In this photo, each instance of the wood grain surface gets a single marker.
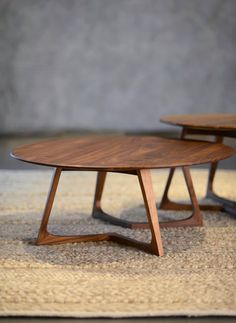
(121, 152)
(218, 121)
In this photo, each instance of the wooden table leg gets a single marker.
(101, 177)
(194, 220)
(227, 205)
(145, 182)
(44, 237)
(212, 171)
(43, 233)
(167, 204)
(154, 247)
(98, 212)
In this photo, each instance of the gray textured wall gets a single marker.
(114, 64)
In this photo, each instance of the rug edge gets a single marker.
(228, 313)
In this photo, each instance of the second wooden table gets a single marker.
(219, 125)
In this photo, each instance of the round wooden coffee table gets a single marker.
(218, 125)
(122, 154)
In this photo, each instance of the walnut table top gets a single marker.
(121, 152)
(213, 122)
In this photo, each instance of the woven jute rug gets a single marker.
(195, 277)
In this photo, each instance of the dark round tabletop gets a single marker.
(121, 152)
(218, 121)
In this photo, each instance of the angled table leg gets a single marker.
(98, 212)
(167, 204)
(145, 181)
(43, 233)
(227, 205)
(154, 247)
(212, 172)
(101, 177)
(194, 220)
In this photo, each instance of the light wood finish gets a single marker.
(155, 246)
(123, 154)
(218, 125)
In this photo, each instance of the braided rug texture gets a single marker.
(195, 277)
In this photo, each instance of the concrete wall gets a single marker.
(114, 64)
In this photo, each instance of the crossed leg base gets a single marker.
(194, 220)
(225, 204)
(155, 246)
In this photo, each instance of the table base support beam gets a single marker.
(194, 220)
(155, 246)
(225, 205)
